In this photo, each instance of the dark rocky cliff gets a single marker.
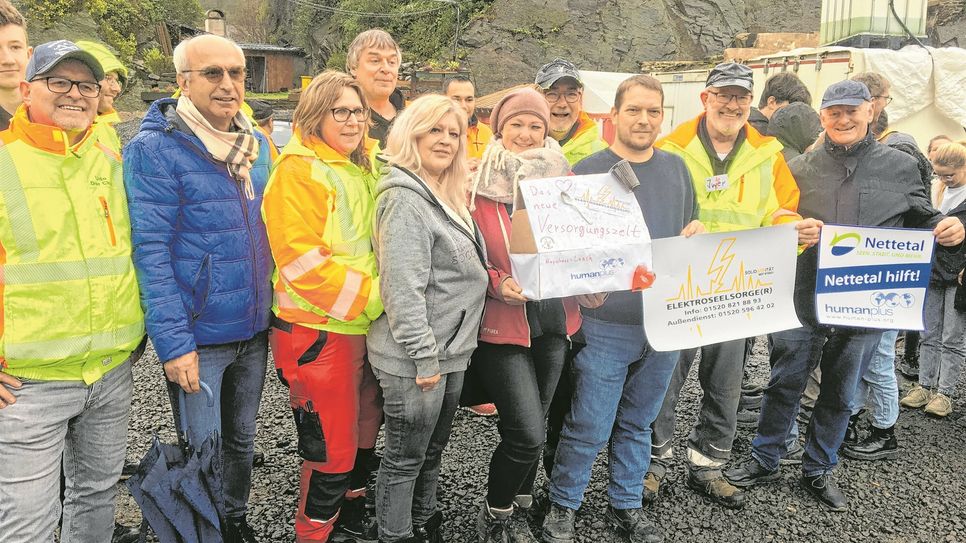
(513, 38)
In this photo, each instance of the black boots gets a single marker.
(881, 444)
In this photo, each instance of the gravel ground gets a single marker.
(918, 498)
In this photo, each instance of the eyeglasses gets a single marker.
(61, 85)
(570, 97)
(214, 74)
(114, 79)
(888, 99)
(341, 114)
(946, 177)
(725, 99)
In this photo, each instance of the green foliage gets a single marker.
(123, 24)
(425, 38)
(157, 62)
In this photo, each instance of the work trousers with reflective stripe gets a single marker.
(338, 409)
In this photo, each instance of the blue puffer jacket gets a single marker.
(200, 249)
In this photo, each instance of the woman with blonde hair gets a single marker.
(318, 209)
(433, 281)
(943, 343)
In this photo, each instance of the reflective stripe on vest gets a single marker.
(50, 272)
(62, 348)
(24, 236)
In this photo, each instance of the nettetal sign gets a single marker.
(873, 277)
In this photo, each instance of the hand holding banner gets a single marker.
(873, 277)
(719, 287)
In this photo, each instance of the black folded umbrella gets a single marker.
(179, 489)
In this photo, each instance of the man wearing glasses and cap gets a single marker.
(70, 322)
(848, 179)
(194, 175)
(741, 181)
(577, 134)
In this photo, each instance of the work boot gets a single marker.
(852, 432)
(910, 369)
(793, 456)
(918, 396)
(518, 530)
(939, 406)
(711, 483)
(237, 530)
(355, 519)
(747, 419)
(558, 526)
(634, 524)
(431, 530)
(751, 389)
(652, 486)
(491, 524)
(825, 490)
(881, 444)
(750, 402)
(751, 473)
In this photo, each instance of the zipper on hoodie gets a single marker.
(741, 189)
(107, 219)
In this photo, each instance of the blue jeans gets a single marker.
(417, 428)
(63, 422)
(844, 354)
(235, 372)
(879, 386)
(619, 386)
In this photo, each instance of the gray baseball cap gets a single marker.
(729, 74)
(846, 93)
(48, 55)
(551, 72)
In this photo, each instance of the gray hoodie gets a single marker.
(432, 280)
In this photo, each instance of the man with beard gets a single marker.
(848, 179)
(570, 125)
(741, 181)
(619, 379)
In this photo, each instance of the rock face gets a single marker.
(512, 39)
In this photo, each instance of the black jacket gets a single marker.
(890, 194)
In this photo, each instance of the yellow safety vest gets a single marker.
(70, 308)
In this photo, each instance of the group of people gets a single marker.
(371, 256)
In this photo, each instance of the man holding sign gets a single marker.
(741, 182)
(849, 179)
(620, 380)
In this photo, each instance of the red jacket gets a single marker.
(503, 323)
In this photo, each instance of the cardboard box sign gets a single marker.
(576, 235)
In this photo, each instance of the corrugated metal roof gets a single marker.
(270, 47)
(487, 102)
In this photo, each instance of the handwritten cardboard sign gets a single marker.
(576, 235)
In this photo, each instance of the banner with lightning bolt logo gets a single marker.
(719, 287)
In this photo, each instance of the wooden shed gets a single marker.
(272, 68)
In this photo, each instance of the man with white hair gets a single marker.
(194, 176)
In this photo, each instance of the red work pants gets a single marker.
(338, 409)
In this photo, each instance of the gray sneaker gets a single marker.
(491, 524)
(558, 526)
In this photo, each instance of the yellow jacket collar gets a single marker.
(45, 137)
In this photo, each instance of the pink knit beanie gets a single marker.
(518, 102)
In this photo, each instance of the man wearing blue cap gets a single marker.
(853, 180)
(70, 320)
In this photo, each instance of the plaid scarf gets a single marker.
(501, 171)
(238, 150)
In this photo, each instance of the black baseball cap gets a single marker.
(846, 93)
(48, 55)
(551, 72)
(728, 74)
